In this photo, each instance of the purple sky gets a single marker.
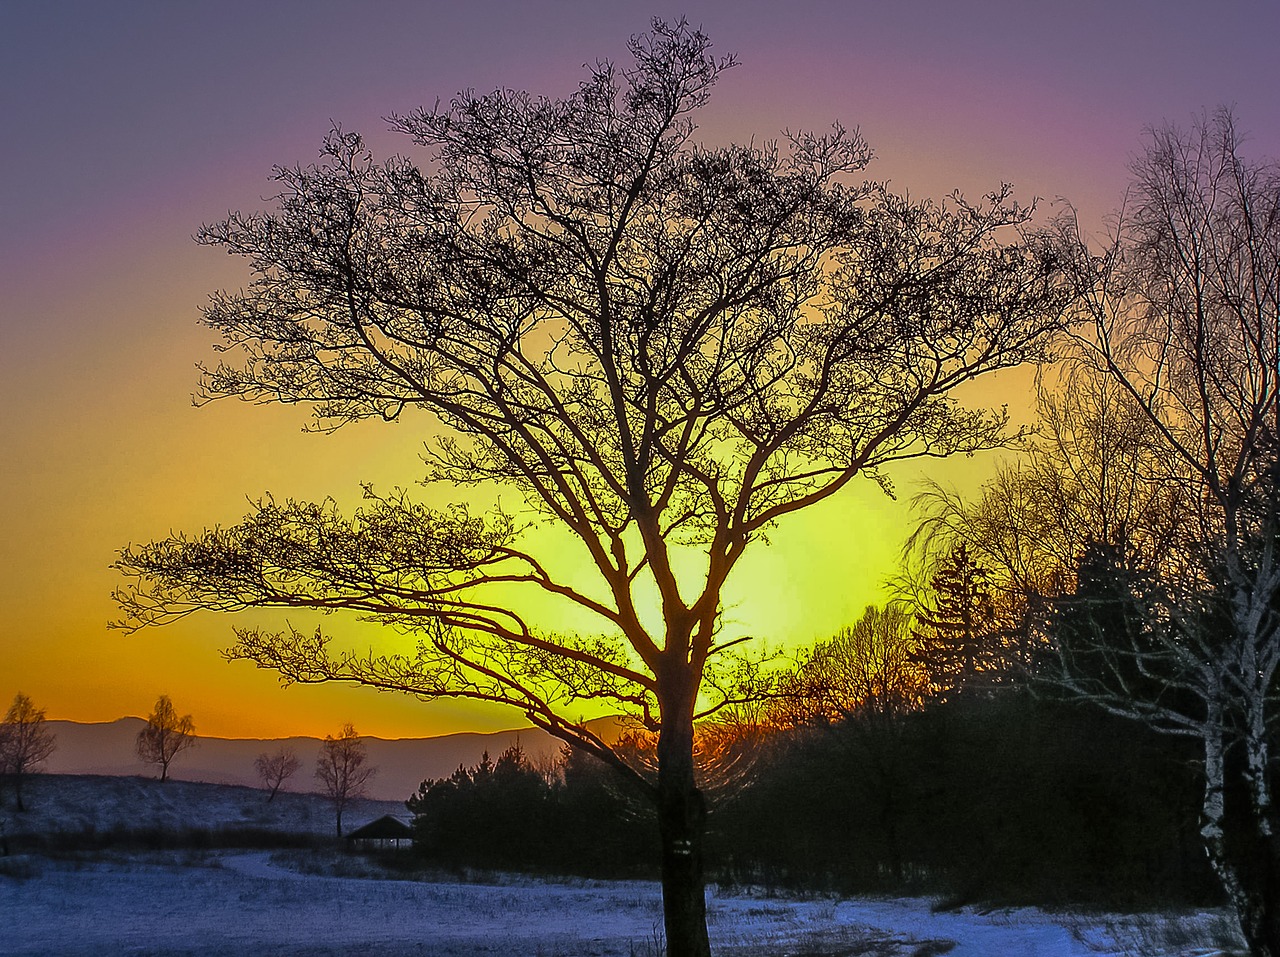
(127, 125)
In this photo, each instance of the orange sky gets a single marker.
(128, 125)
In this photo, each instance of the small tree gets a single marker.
(495, 814)
(165, 736)
(274, 769)
(859, 686)
(25, 743)
(342, 770)
(867, 672)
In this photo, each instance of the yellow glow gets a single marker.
(118, 454)
(103, 447)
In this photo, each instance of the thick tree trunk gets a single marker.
(682, 815)
(1269, 919)
(1213, 825)
(1255, 891)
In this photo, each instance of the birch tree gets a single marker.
(1182, 309)
(342, 770)
(165, 736)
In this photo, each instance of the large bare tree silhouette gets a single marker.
(666, 348)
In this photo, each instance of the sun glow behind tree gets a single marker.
(665, 349)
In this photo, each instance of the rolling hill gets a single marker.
(402, 763)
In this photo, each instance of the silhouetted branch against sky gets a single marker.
(665, 348)
(662, 347)
(181, 112)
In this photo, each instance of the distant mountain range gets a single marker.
(402, 763)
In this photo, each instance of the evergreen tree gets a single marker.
(960, 640)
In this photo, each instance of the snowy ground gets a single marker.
(83, 803)
(247, 902)
(105, 902)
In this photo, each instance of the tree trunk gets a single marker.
(1213, 825)
(1246, 868)
(682, 815)
(1263, 844)
(1269, 919)
(1259, 912)
(1254, 890)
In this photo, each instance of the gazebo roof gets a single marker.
(385, 828)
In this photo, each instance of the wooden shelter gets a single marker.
(386, 831)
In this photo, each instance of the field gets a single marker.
(64, 806)
(210, 900)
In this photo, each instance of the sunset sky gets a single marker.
(127, 125)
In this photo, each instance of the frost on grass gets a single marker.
(235, 903)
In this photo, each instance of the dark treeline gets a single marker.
(1004, 797)
(573, 818)
(1000, 797)
(927, 748)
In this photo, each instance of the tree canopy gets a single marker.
(165, 736)
(25, 742)
(660, 344)
(666, 347)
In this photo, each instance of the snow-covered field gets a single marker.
(80, 803)
(231, 902)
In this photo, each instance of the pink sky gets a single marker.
(127, 125)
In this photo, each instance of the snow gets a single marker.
(102, 903)
(92, 803)
(200, 905)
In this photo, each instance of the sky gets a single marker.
(128, 125)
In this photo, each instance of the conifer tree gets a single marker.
(959, 636)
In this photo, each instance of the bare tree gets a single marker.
(1183, 307)
(1093, 477)
(870, 671)
(341, 768)
(665, 348)
(25, 743)
(274, 769)
(165, 736)
(858, 687)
